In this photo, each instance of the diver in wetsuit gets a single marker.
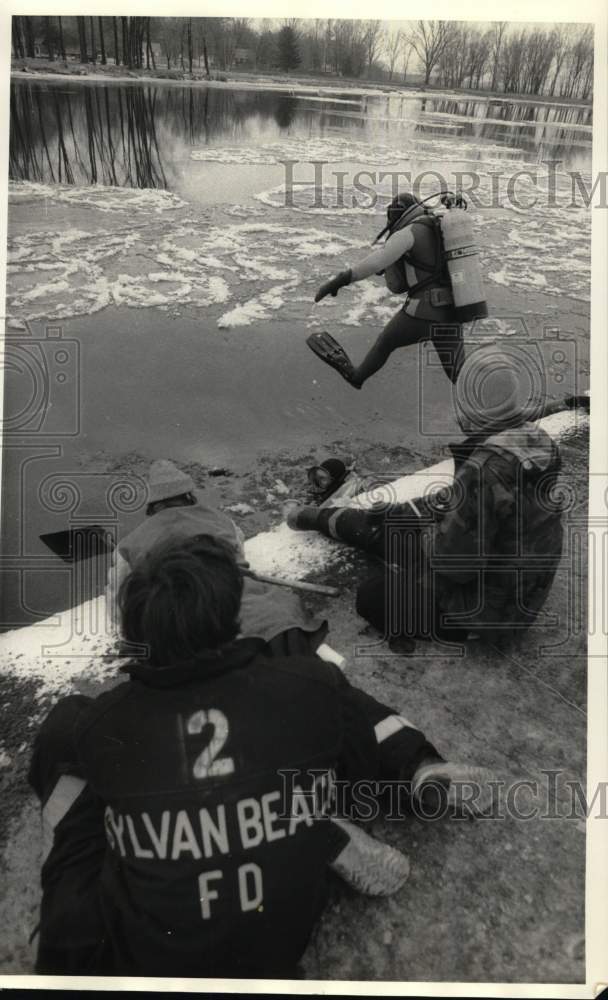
(411, 260)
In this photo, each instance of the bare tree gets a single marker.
(452, 61)
(149, 49)
(102, 44)
(115, 33)
(511, 63)
(406, 51)
(17, 37)
(428, 40)
(124, 24)
(82, 39)
(538, 56)
(579, 64)
(477, 57)
(61, 41)
(373, 36)
(498, 30)
(394, 46)
(93, 45)
(28, 30)
(327, 42)
(48, 38)
(561, 35)
(200, 33)
(189, 33)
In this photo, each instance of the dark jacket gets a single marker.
(496, 551)
(216, 864)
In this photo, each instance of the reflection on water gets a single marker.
(136, 135)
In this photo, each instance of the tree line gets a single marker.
(126, 41)
(555, 61)
(508, 58)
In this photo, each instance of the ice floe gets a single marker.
(184, 264)
(147, 248)
(335, 149)
(98, 196)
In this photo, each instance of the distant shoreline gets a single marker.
(93, 73)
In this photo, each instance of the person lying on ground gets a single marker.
(176, 509)
(193, 808)
(485, 561)
(411, 260)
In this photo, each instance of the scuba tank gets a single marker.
(461, 259)
(457, 253)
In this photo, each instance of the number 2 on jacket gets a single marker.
(209, 764)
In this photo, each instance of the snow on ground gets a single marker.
(54, 652)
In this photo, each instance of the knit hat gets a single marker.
(498, 388)
(165, 480)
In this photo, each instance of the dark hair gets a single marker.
(181, 500)
(182, 598)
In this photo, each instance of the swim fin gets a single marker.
(329, 350)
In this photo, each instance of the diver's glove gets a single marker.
(333, 286)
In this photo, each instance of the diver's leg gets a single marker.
(361, 528)
(401, 331)
(448, 341)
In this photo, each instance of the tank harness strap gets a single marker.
(437, 269)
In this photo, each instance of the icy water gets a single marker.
(143, 136)
(240, 200)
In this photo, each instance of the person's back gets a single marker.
(213, 870)
(185, 521)
(496, 552)
(422, 265)
(205, 787)
(178, 510)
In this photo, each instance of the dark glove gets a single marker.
(333, 286)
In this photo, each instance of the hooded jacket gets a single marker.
(496, 551)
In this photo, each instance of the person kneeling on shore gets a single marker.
(177, 509)
(484, 561)
(190, 807)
